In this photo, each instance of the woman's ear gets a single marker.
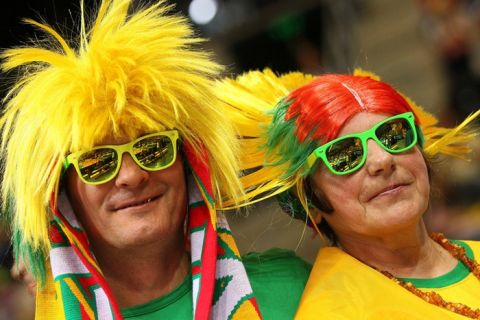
(316, 215)
(317, 198)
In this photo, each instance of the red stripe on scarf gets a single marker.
(208, 267)
(199, 163)
(200, 216)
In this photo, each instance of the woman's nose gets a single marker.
(130, 174)
(378, 160)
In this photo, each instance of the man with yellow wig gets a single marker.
(115, 157)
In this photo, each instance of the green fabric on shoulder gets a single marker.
(278, 277)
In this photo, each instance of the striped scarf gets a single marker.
(76, 289)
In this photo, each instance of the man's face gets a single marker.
(136, 208)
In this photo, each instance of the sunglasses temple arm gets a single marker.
(421, 137)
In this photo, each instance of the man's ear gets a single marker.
(20, 272)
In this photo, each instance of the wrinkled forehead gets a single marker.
(361, 122)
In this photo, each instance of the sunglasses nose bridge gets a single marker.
(121, 150)
(374, 145)
(365, 140)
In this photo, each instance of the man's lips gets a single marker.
(135, 203)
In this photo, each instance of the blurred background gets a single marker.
(427, 49)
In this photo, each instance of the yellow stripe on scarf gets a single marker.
(49, 305)
(73, 287)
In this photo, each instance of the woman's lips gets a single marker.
(390, 190)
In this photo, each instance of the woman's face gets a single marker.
(389, 193)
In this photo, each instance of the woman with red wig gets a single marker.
(352, 156)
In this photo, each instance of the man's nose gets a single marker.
(130, 174)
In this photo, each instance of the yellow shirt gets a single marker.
(341, 287)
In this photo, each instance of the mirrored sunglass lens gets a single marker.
(98, 165)
(345, 154)
(396, 135)
(154, 152)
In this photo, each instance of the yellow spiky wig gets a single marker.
(129, 72)
(274, 153)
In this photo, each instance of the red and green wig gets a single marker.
(314, 114)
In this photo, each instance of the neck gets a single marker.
(139, 275)
(408, 253)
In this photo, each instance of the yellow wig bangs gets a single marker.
(129, 74)
(248, 99)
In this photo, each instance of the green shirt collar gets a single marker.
(458, 273)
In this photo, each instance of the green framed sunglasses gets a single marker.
(153, 152)
(347, 154)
